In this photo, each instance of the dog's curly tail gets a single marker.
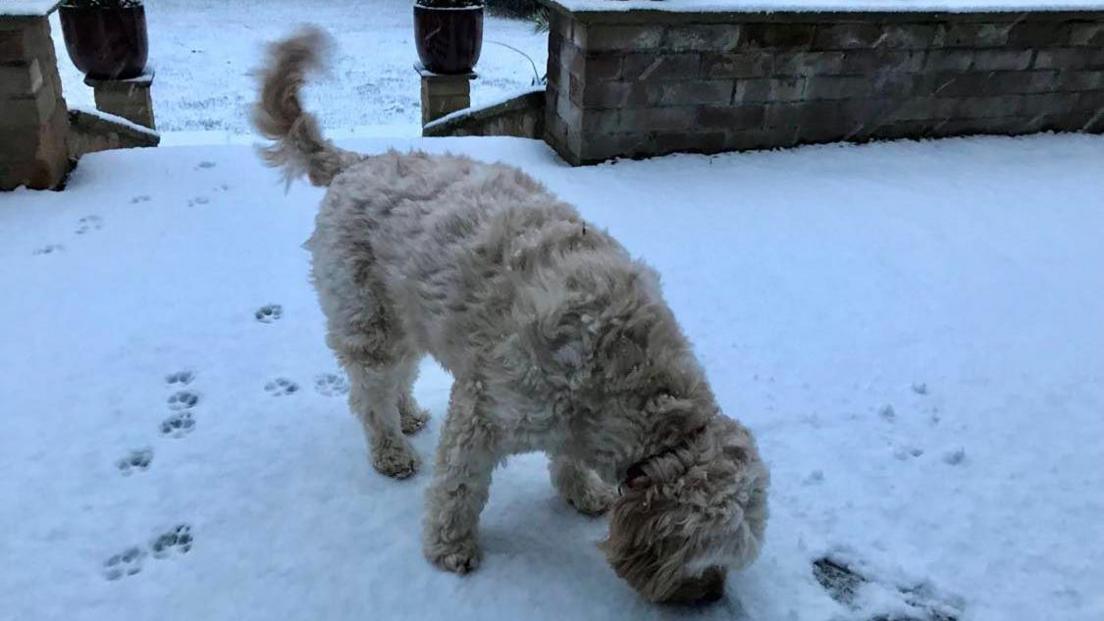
(278, 115)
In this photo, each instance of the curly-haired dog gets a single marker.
(557, 339)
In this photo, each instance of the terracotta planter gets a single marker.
(106, 44)
(449, 39)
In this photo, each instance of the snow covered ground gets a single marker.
(203, 50)
(914, 332)
(954, 6)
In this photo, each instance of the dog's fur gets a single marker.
(557, 339)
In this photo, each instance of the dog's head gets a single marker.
(687, 517)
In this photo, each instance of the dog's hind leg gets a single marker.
(377, 358)
(411, 416)
(373, 397)
(365, 333)
(580, 486)
(466, 455)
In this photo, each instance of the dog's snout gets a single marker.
(704, 589)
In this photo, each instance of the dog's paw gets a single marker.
(594, 500)
(413, 422)
(398, 461)
(460, 558)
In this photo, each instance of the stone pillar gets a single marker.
(33, 117)
(443, 94)
(129, 99)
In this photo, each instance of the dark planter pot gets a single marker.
(106, 44)
(449, 40)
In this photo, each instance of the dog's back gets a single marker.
(452, 242)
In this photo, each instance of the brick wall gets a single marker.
(642, 83)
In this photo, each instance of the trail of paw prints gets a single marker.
(48, 249)
(89, 223)
(126, 563)
(177, 540)
(136, 461)
(269, 313)
(181, 402)
(331, 385)
(281, 387)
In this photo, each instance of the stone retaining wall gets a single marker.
(91, 131)
(641, 83)
(521, 116)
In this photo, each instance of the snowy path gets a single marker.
(914, 331)
(203, 51)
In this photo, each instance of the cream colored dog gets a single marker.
(557, 339)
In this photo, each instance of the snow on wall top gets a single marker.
(497, 101)
(112, 118)
(27, 8)
(770, 6)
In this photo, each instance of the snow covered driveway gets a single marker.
(914, 332)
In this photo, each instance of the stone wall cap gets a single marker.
(27, 8)
(426, 73)
(145, 79)
(611, 7)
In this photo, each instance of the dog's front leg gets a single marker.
(466, 456)
(580, 486)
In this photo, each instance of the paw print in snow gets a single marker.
(205, 164)
(178, 425)
(904, 453)
(183, 400)
(840, 581)
(331, 385)
(126, 563)
(48, 249)
(955, 457)
(280, 387)
(182, 378)
(816, 477)
(179, 540)
(141, 198)
(269, 313)
(199, 200)
(89, 223)
(844, 583)
(137, 461)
